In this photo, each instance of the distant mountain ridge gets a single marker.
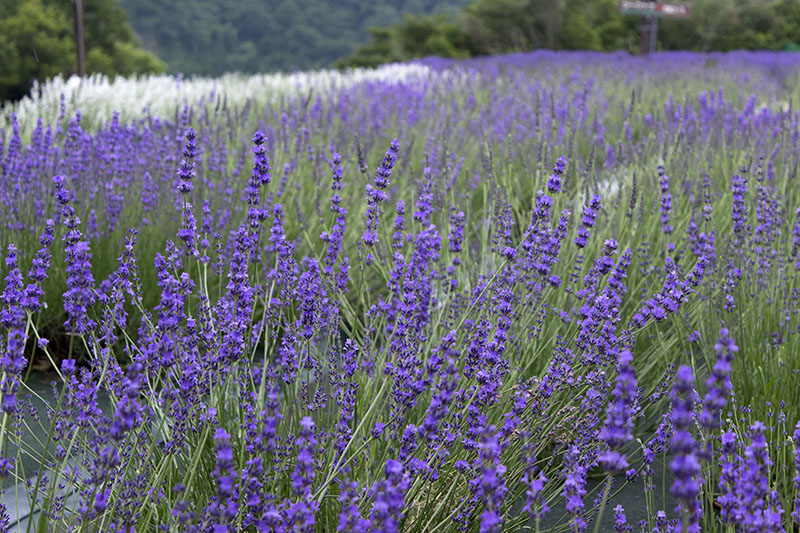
(212, 37)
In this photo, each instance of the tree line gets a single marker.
(487, 27)
(209, 37)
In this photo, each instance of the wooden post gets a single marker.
(649, 11)
(648, 31)
(80, 42)
(644, 35)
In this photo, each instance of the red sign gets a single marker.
(655, 9)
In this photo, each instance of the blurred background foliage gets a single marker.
(209, 37)
(487, 27)
(37, 41)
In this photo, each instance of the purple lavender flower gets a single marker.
(260, 175)
(796, 239)
(739, 209)
(422, 214)
(575, 488)
(336, 234)
(267, 439)
(620, 522)
(455, 240)
(439, 407)
(666, 201)
(254, 490)
(662, 523)
(346, 393)
(542, 207)
(718, 383)
(618, 427)
(752, 484)
(188, 231)
(534, 482)
(796, 480)
(555, 180)
(186, 172)
(588, 219)
(311, 301)
(350, 518)
(13, 320)
(729, 459)
(398, 239)
(303, 512)
(685, 465)
(489, 486)
(377, 194)
(39, 266)
(79, 295)
(225, 476)
(389, 495)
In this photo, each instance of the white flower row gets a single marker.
(97, 96)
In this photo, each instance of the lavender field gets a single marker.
(484, 295)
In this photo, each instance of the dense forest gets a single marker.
(211, 37)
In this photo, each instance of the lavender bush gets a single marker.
(483, 295)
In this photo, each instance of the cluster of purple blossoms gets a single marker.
(739, 210)
(490, 486)
(666, 201)
(534, 481)
(728, 477)
(621, 524)
(796, 240)
(222, 509)
(13, 320)
(186, 171)
(334, 237)
(455, 242)
(40, 264)
(259, 177)
(350, 518)
(301, 514)
(588, 219)
(759, 508)
(555, 180)
(618, 428)
(422, 214)
(718, 383)
(746, 499)
(685, 465)
(389, 498)
(796, 479)
(377, 194)
(79, 296)
(575, 488)
(398, 239)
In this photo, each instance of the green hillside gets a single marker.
(212, 37)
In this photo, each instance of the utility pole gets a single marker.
(80, 42)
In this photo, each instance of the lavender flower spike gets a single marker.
(186, 169)
(618, 427)
(685, 465)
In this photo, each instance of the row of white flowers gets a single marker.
(98, 96)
